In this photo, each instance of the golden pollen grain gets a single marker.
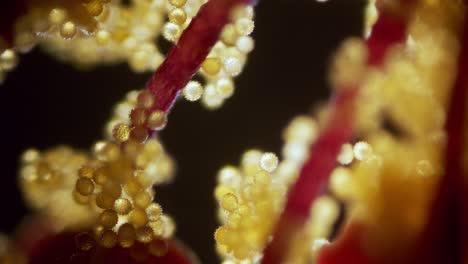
(68, 30)
(229, 202)
(138, 217)
(126, 235)
(229, 35)
(122, 206)
(108, 218)
(84, 186)
(57, 16)
(193, 91)
(225, 87)
(221, 235)
(100, 177)
(121, 132)
(132, 187)
(142, 200)
(154, 212)
(157, 120)
(178, 3)
(158, 227)
(104, 201)
(269, 162)
(211, 66)
(178, 16)
(103, 37)
(232, 65)
(244, 26)
(144, 234)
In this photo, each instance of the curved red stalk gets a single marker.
(339, 130)
(185, 58)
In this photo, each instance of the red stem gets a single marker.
(185, 58)
(339, 130)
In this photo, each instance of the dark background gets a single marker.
(45, 103)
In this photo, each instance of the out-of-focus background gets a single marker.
(45, 103)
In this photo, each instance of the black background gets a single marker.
(44, 103)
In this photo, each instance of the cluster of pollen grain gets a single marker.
(125, 33)
(251, 197)
(227, 58)
(133, 119)
(46, 180)
(117, 181)
(112, 32)
(388, 178)
(58, 19)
